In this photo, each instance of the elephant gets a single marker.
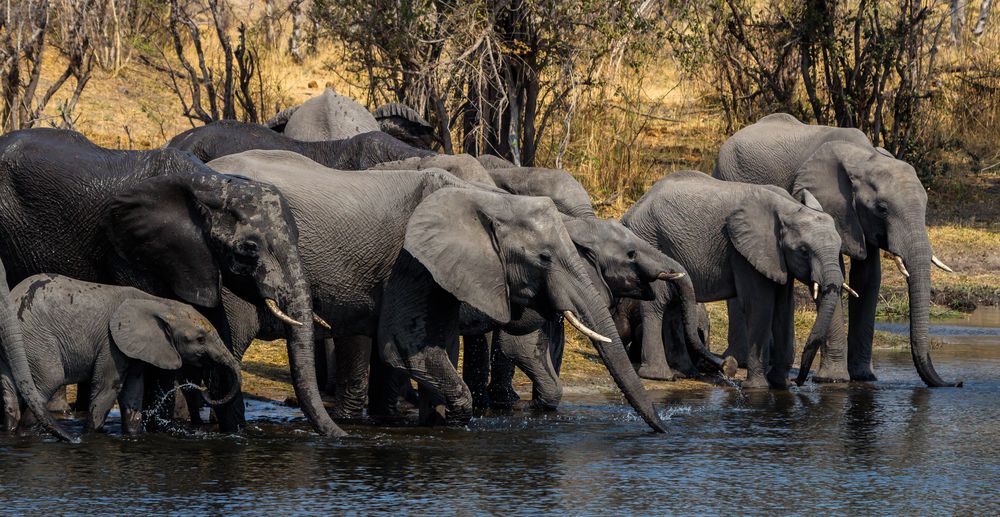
(405, 124)
(392, 255)
(328, 116)
(164, 223)
(77, 331)
(747, 242)
(358, 152)
(494, 162)
(463, 166)
(877, 203)
(609, 250)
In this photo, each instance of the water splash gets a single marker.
(733, 383)
(168, 396)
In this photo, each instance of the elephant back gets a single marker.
(329, 117)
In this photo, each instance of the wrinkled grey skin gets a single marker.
(77, 331)
(405, 124)
(328, 116)
(748, 242)
(356, 153)
(626, 266)
(162, 222)
(877, 203)
(394, 254)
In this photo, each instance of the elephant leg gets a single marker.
(654, 357)
(11, 404)
(385, 385)
(756, 295)
(232, 415)
(553, 337)
(101, 402)
(353, 356)
(783, 337)
(326, 364)
(674, 342)
(130, 401)
(866, 277)
(476, 368)
(531, 354)
(193, 402)
(737, 334)
(501, 389)
(439, 381)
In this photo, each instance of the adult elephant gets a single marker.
(746, 242)
(358, 152)
(394, 254)
(877, 203)
(164, 223)
(328, 116)
(609, 248)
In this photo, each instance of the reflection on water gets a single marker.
(982, 326)
(889, 448)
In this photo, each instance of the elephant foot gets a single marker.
(656, 373)
(830, 376)
(866, 375)
(756, 382)
(502, 396)
(778, 382)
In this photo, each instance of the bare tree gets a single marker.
(984, 14)
(210, 93)
(24, 31)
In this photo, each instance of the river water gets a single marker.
(890, 448)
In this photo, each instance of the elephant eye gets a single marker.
(545, 258)
(631, 254)
(248, 248)
(883, 209)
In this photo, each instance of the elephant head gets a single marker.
(499, 254)
(621, 265)
(168, 334)
(877, 202)
(568, 194)
(785, 240)
(189, 232)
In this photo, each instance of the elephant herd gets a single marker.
(344, 233)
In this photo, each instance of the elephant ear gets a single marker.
(755, 231)
(159, 226)
(452, 234)
(830, 175)
(140, 330)
(806, 198)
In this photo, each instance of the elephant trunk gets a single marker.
(229, 363)
(825, 309)
(12, 341)
(592, 313)
(301, 358)
(918, 262)
(689, 314)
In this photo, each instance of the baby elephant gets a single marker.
(77, 331)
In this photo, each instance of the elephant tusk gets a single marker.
(815, 290)
(583, 328)
(669, 276)
(937, 262)
(273, 305)
(899, 265)
(852, 291)
(321, 322)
